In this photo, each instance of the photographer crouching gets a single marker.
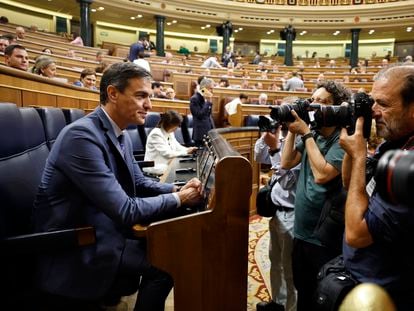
(379, 230)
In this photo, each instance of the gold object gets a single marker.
(367, 297)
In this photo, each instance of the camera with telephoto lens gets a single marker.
(267, 125)
(395, 175)
(326, 116)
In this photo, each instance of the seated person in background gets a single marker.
(293, 83)
(258, 86)
(20, 32)
(103, 186)
(47, 51)
(262, 100)
(16, 56)
(4, 42)
(45, 66)
(77, 39)
(99, 56)
(168, 58)
(12, 38)
(101, 67)
(211, 62)
(224, 82)
(183, 50)
(157, 90)
(231, 107)
(87, 79)
(170, 93)
(161, 144)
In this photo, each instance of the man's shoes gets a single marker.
(269, 306)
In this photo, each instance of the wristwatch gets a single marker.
(306, 136)
(273, 152)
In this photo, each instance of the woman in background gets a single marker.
(87, 79)
(162, 145)
(45, 66)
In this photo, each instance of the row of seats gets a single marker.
(26, 136)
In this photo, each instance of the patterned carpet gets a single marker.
(259, 265)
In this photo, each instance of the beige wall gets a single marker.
(27, 18)
(114, 35)
(335, 49)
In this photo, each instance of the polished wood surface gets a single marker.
(206, 252)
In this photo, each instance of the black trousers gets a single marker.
(307, 259)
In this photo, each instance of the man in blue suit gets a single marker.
(91, 178)
(200, 107)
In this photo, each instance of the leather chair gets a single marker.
(251, 120)
(72, 114)
(151, 121)
(23, 154)
(135, 133)
(53, 121)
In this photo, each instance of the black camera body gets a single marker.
(394, 176)
(326, 116)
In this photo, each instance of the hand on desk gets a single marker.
(190, 193)
(191, 150)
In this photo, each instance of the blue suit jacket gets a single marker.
(87, 181)
(201, 111)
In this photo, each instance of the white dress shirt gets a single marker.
(160, 148)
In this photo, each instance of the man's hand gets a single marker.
(272, 139)
(191, 150)
(298, 126)
(190, 193)
(354, 145)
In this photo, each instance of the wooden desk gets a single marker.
(206, 252)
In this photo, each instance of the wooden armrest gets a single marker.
(49, 241)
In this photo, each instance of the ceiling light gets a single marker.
(202, 27)
(93, 10)
(174, 21)
(132, 17)
(236, 30)
(271, 31)
(139, 15)
(304, 32)
(409, 29)
(240, 28)
(168, 23)
(101, 8)
(208, 26)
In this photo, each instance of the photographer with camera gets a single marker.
(321, 158)
(379, 231)
(268, 150)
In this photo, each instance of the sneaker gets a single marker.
(269, 306)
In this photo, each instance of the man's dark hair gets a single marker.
(118, 75)
(338, 91)
(9, 36)
(405, 74)
(200, 78)
(9, 49)
(155, 84)
(242, 95)
(3, 37)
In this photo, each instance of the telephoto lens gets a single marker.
(283, 113)
(395, 176)
(267, 125)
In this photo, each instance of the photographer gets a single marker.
(267, 150)
(321, 158)
(378, 234)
